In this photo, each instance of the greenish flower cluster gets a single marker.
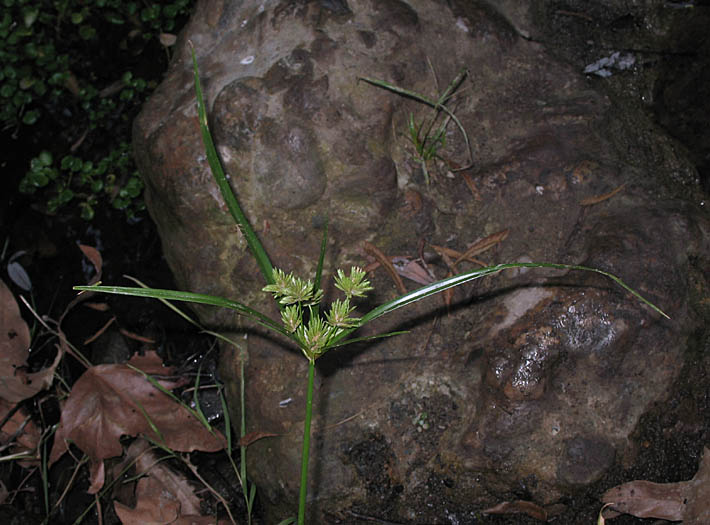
(300, 316)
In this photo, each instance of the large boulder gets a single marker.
(531, 382)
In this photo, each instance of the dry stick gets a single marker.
(483, 245)
(100, 331)
(70, 483)
(210, 488)
(443, 250)
(471, 186)
(59, 334)
(99, 512)
(15, 492)
(601, 198)
(387, 264)
(449, 294)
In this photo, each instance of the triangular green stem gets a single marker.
(306, 444)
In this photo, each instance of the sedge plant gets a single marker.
(315, 330)
(426, 140)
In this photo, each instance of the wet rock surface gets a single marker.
(529, 385)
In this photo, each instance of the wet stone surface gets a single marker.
(529, 385)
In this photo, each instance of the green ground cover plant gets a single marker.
(74, 66)
(428, 137)
(312, 327)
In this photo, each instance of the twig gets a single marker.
(100, 331)
(210, 488)
(601, 198)
(70, 483)
(441, 250)
(386, 263)
(60, 335)
(483, 245)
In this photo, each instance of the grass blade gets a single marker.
(190, 297)
(257, 250)
(435, 104)
(401, 91)
(319, 268)
(456, 280)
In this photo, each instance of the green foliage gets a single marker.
(71, 65)
(113, 179)
(428, 142)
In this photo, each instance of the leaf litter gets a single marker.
(16, 382)
(114, 400)
(686, 501)
(162, 495)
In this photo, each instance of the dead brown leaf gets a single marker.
(411, 269)
(686, 501)
(251, 437)
(16, 384)
(162, 497)
(519, 507)
(167, 39)
(99, 307)
(109, 401)
(154, 505)
(94, 256)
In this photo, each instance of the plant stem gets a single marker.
(306, 444)
(242, 433)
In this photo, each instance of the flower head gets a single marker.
(354, 285)
(339, 314)
(289, 289)
(291, 317)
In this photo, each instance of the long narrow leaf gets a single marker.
(321, 257)
(401, 91)
(451, 282)
(367, 338)
(319, 268)
(436, 104)
(190, 297)
(453, 86)
(257, 250)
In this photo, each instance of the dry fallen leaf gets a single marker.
(167, 39)
(519, 507)
(94, 256)
(110, 401)
(686, 501)
(154, 505)
(251, 437)
(163, 496)
(16, 384)
(412, 270)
